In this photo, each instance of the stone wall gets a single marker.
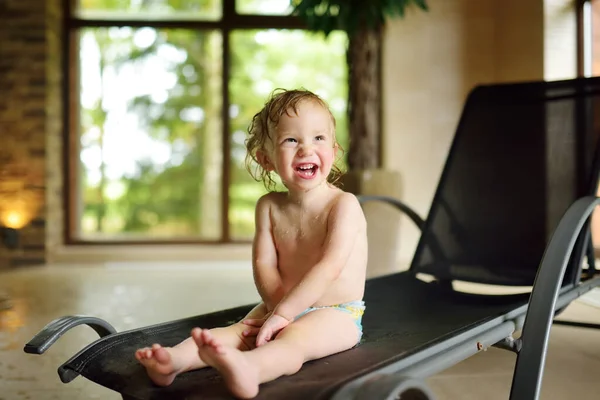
(29, 114)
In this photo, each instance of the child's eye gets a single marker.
(320, 137)
(289, 140)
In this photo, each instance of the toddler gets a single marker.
(309, 258)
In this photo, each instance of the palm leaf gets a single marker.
(350, 15)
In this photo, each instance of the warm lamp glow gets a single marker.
(14, 219)
(18, 207)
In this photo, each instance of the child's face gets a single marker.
(302, 149)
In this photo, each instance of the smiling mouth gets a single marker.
(307, 170)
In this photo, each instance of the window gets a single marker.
(590, 59)
(161, 94)
(591, 37)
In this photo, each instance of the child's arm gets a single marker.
(345, 222)
(264, 257)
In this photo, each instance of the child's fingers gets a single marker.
(251, 331)
(262, 338)
(254, 322)
(259, 339)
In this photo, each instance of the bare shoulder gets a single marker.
(346, 199)
(346, 205)
(264, 205)
(270, 199)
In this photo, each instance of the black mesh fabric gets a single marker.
(404, 316)
(522, 154)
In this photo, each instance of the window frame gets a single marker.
(230, 20)
(581, 39)
(581, 72)
(580, 43)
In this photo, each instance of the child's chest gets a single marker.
(299, 233)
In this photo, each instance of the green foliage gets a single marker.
(152, 7)
(153, 200)
(261, 62)
(176, 197)
(350, 15)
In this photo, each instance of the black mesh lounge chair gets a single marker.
(512, 208)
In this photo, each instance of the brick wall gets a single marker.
(29, 122)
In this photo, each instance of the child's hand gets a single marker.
(270, 328)
(254, 325)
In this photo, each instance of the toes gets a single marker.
(219, 349)
(212, 341)
(162, 355)
(197, 335)
(141, 351)
(207, 337)
(203, 337)
(144, 353)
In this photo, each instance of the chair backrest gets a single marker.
(522, 154)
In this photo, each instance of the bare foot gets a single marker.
(159, 364)
(240, 376)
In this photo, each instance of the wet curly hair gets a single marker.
(264, 124)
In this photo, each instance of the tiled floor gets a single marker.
(132, 295)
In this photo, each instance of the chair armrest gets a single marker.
(419, 222)
(55, 329)
(529, 368)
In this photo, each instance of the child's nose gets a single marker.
(306, 149)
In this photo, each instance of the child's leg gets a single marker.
(315, 335)
(163, 364)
